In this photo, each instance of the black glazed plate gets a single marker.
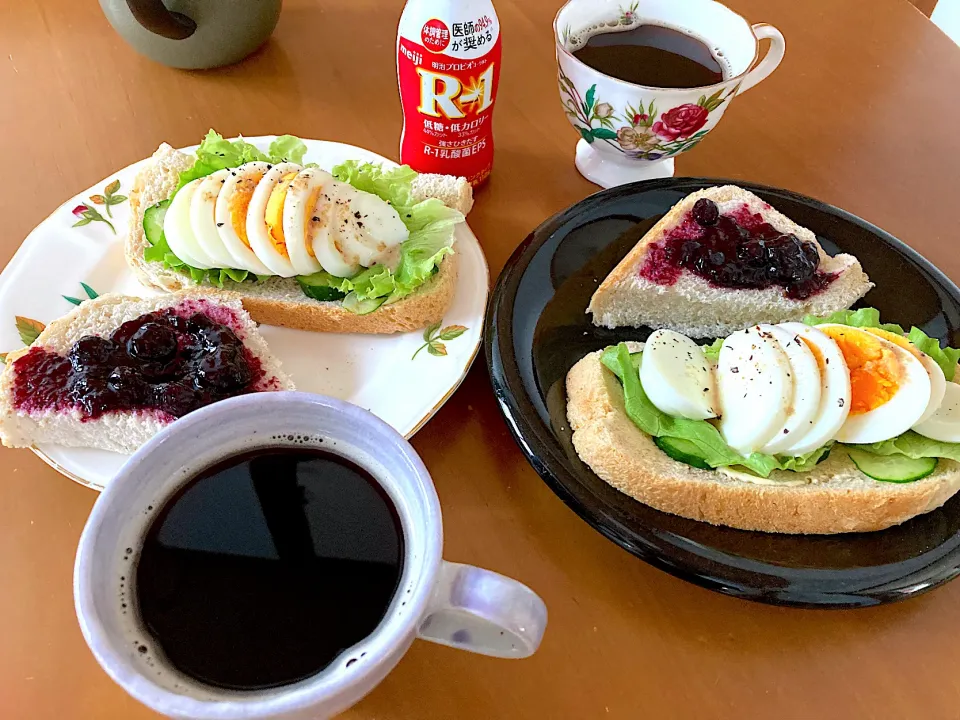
(537, 329)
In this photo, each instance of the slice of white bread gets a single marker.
(835, 497)
(121, 432)
(279, 301)
(695, 308)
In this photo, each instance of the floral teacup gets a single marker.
(632, 132)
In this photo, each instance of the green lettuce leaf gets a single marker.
(864, 317)
(913, 445)
(215, 276)
(216, 153)
(287, 148)
(421, 254)
(374, 282)
(711, 445)
(712, 351)
(395, 185)
(946, 358)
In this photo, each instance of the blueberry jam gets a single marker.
(172, 361)
(738, 250)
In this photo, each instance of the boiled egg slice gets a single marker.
(368, 228)
(203, 219)
(677, 377)
(179, 232)
(323, 237)
(834, 403)
(889, 387)
(231, 215)
(938, 386)
(265, 219)
(944, 424)
(754, 387)
(806, 388)
(938, 382)
(306, 205)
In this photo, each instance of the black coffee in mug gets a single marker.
(650, 55)
(260, 571)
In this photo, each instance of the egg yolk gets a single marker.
(239, 202)
(274, 213)
(875, 371)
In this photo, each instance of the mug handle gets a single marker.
(483, 612)
(770, 61)
(154, 16)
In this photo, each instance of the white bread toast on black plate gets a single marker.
(832, 497)
(279, 300)
(65, 420)
(695, 307)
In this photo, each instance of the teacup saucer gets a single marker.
(609, 170)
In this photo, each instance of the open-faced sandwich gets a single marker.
(835, 424)
(116, 370)
(722, 260)
(362, 249)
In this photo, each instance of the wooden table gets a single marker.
(862, 114)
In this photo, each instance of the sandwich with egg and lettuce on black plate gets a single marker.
(362, 248)
(830, 425)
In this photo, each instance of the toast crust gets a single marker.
(426, 306)
(288, 307)
(838, 498)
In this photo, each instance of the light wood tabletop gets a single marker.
(862, 114)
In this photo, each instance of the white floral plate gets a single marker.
(60, 264)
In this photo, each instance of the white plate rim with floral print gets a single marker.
(73, 254)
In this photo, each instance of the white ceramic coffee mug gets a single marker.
(632, 132)
(457, 605)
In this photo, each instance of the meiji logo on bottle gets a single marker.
(435, 35)
(411, 55)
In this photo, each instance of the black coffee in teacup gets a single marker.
(651, 55)
(264, 568)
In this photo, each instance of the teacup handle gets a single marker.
(770, 61)
(483, 612)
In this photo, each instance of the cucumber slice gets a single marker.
(317, 286)
(682, 451)
(891, 468)
(153, 222)
(323, 293)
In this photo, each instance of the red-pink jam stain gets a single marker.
(657, 267)
(41, 380)
(220, 314)
(165, 364)
(738, 249)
